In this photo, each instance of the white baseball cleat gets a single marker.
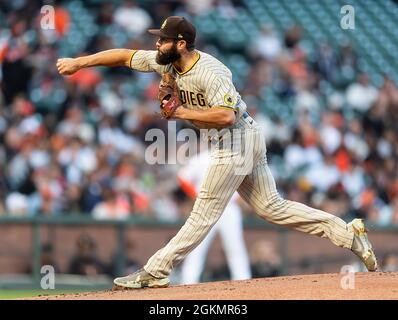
(141, 279)
(361, 245)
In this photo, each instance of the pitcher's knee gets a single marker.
(274, 203)
(198, 220)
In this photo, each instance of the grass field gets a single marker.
(18, 294)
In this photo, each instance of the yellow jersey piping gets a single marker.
(131, 58)
(181, 73)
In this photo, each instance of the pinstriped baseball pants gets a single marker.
(247, 172)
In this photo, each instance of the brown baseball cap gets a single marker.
(176, 27)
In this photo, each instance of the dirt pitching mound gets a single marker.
(372, 286)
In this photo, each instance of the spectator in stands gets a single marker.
(132, 18)
(77, 158)
(298, 157)
(16, 69)
(347, 61)
(85, 260)
(73, 125)
(17, 204)
(354, 141)
(361, 95)
(264, 258)
(73, 202)
(353, 179)
(388, 94)
(330, 135)
(326, 62)
(199, 7)
(388, 213)
(113, 206)
(323, 175)
(130, 264)
(390, 263)
(294, 59)
(267, 45)
(105, 14)
(46, 258)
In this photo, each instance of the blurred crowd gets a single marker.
(76, 145)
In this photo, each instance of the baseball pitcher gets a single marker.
(197, 87)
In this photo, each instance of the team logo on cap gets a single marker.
(180, 36)
(163, 24)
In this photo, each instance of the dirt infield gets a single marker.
(372, 286)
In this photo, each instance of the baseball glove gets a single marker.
(168, 90)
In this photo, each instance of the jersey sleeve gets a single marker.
(222, 93)
(145, 61)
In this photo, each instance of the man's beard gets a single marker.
(168, 56)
